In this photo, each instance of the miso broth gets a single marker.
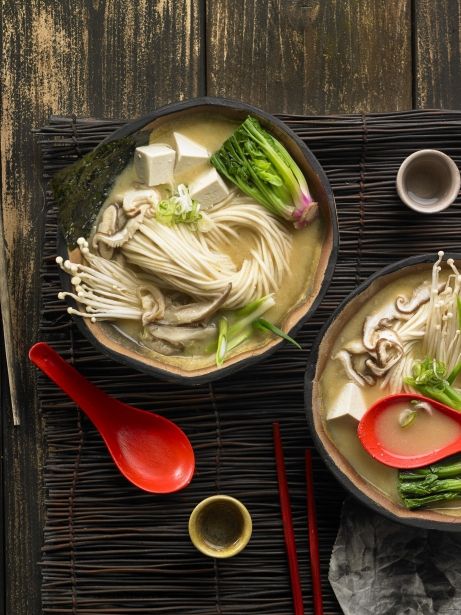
(410, 431)
(343, 430)
(306, 245)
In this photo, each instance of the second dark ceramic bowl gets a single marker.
(119, 349)
(321, 352)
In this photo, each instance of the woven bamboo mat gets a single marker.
(111, 549)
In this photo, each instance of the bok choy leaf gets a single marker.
(261, 167)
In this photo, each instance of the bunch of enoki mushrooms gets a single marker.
(174, 278)
(427, 324)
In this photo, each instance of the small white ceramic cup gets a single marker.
(428, 181)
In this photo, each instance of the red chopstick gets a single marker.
(287, 521)
(313, 538)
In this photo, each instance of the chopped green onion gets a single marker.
(248, 314)
(265, 325)
(430, 378)
(249, 308)
(240, 338)
(454, 373)
(407, 417)
(241, 329)
(222, 341)
(179, 208)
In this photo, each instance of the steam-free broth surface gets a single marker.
(407, 430)
(343, 431)
(211, 131)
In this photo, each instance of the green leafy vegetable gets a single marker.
(262, 168)
(442, 482)
(430, 378)
(264, 325)
(179, 208)
(435, 483)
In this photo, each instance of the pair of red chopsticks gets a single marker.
(287, 521)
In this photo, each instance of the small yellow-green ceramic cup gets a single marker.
(220, 526)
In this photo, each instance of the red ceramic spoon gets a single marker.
(370, 441)
(148, 449)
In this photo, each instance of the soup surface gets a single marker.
(210, 131)
(343, 430)
(410, 430)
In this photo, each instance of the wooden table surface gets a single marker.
(123, 58)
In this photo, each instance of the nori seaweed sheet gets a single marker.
(81, 188)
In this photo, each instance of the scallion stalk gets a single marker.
(248, 314)
(221, 350)
(264, 325)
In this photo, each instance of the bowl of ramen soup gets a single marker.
(195, 240)
(383, 389)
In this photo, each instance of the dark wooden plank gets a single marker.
(315, 56)
(111, 58)
(437, 41)
(5, 409)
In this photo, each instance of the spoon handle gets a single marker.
(88, 397)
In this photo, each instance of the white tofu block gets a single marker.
(208, 189)
(189, 154)
(154, 164)
(350, 401)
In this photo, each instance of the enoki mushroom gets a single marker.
(108, 290)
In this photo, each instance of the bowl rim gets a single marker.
(215, 374)
(412, 519)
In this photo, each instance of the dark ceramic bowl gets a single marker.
(319, 357)
(103, 337)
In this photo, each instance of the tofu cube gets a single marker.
(350, 401)
(190, 155)
(208, 189)
(154, 164)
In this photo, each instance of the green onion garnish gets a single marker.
(222, 341)
(264, 325)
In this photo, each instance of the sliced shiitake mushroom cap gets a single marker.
(181, 335)
(421, 294)
(177, 314)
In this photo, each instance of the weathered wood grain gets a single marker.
(315, 56)
(109, 58)
(437, 54)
